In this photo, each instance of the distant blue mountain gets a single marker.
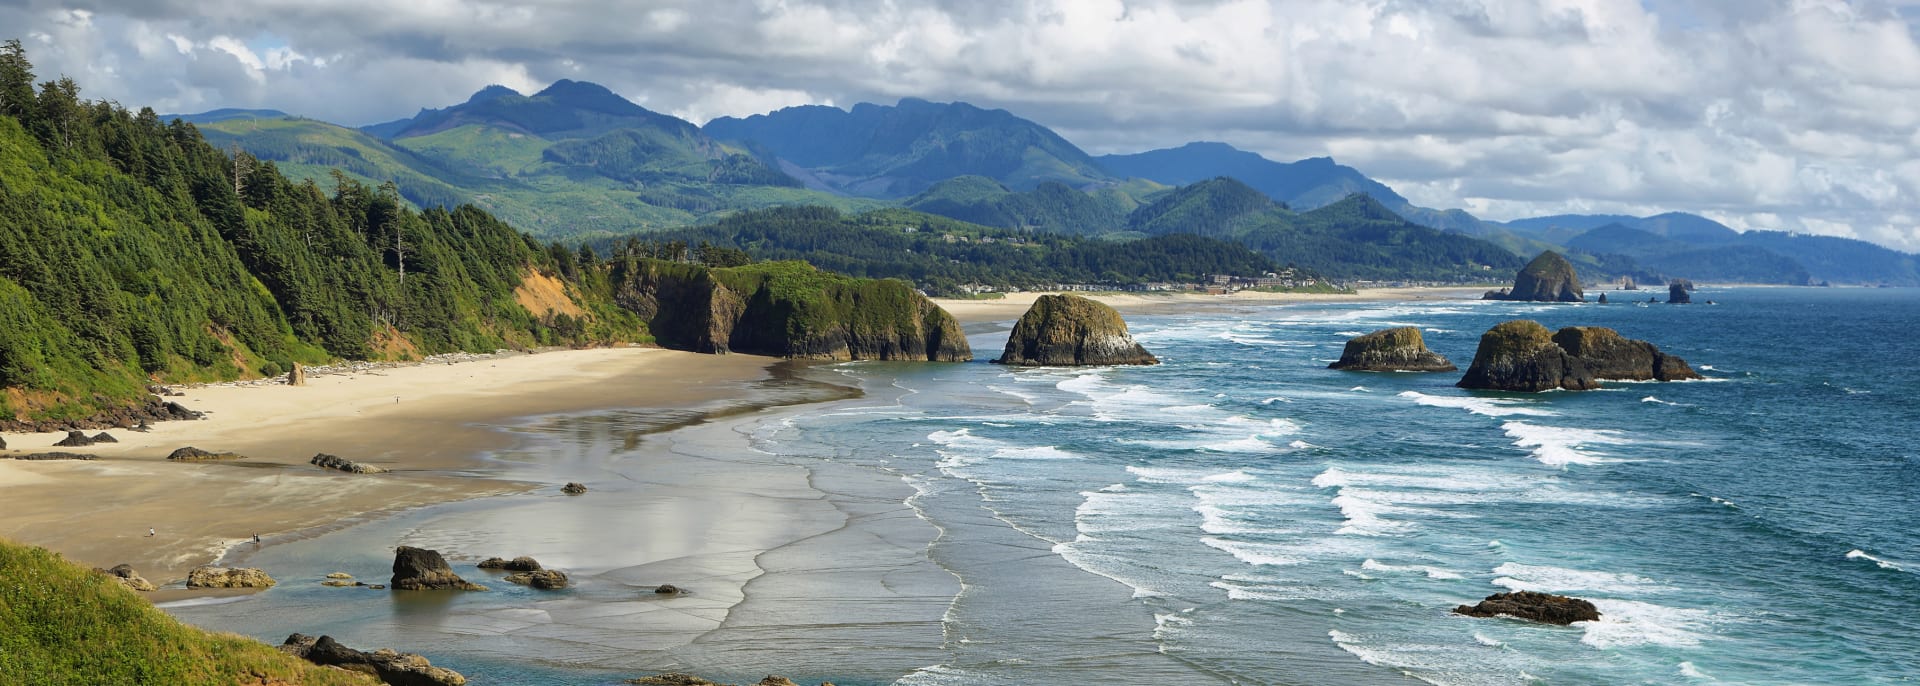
(1691, 246)
(225, 114)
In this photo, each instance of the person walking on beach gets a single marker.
(149, 531)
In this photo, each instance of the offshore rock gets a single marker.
(1522, 356)
(1548, 278)
(326, 461)
(1678, 294)
(518, 564)
(1401, 349)
(391, 667)
(1532, 606)
(1068, 331)
(786, 309)
(210, 576)
(419, 569)
(1603, 298)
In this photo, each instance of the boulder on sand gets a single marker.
(1068, 331)
(518, 564)
(1533, 606)
(209, 576)
(1401, 349)
(392, 667)
(192, 454)
(126, 576)
(326, 461)
(1548, 278)
(75, 439)
(574, 488)
(1522, 356)
(419, 569)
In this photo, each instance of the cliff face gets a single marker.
(787, 309)
(1521, 355)
(1548, 278)
(1068, 330)
(1401, 349)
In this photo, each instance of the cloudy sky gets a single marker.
(1785, 114)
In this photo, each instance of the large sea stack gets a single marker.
(1067, 331)
(1401, 349)
(1678, 294)
(1548, 278)
(1521, 355)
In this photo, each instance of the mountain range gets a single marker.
(576, 160)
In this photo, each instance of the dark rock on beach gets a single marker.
(1067, 331)
(55, 456)
(326, 461)
(151, 409)
(391, 667)
(419, 569)
(1548, 278)
(518, 564)
(1391, 350)
(545, 579)
(1532, 606)
(667, 589)
(75, 439)
(192, 454)
(574, 488)
(126, 576)
(1522, 356)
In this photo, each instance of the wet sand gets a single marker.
(432, 424)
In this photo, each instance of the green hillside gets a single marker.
(67, 626)
(1051, 206)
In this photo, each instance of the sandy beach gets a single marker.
(428, 423)
(1015, 304)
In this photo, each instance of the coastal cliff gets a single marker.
(1068, 330)
(786, 309)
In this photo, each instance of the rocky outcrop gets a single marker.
(1678, 294)
(54, 456)
(1533, 606)
(1068, 331)
(297, 376)
(389, 666)
(1610, 356)
(192, 454)
(326, 461)
(786, 309)
(76, 439)
(1548, 278)
(545, 579)
(1603, 298)
(127, 577)
(1521, 355)
(518, 564)
(419, 569)
(210, 576)
(152, 408)
(574, 488)
(1391, 350)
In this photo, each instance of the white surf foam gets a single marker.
(1523, 577)
(1657, 401)
(1490, 407)
(1857, 554)
(1432, 572)
(1488, 642)
(1561, 446)
(1257, 554)
(1626, 623)
(1045, 452)
(1689, 671)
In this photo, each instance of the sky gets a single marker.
(1799, 115)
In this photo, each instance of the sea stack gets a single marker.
(1548, 278)
(1068, 331)
(419, 569)
(1521, 355)
(1677, 294)
(1400, 349)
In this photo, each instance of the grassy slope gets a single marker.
(61, 624)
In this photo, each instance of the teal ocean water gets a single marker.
(1241, 514)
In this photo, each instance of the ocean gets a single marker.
(1241, 514)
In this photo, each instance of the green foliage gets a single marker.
(940, 254)
(68, 626)
(1052, 206)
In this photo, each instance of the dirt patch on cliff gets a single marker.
(545, 296)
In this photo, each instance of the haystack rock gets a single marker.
(1069, 331)
(1521, 355)
(1391, 350)
(1533, 606)
(1678, 294)
(210, 576)
(419, 569)
(1548, 278)
(392, 667)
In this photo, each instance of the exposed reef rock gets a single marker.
(1521, 355)
(419, 569)
(545, 579)
(389, 666)
(1069, 331)
(574, 488)
(1532, 606)
(1401, 349)
(151, 408)
(1679, 294)
(667, 589)
(787, 309)
(326, 461)
(210, 576)
(190, 454)
(126, 576)
(55, 456)
(1548, 278)
(518, 564)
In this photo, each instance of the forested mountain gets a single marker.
(1051, 206)
(1677, 244)
(894, 152)
(1666, 256)
(942, 254)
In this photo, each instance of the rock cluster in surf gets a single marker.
(1533, 606)
(1068, 331)
(1521, 355)
(1400, 349)
(419, 569)
(210, 576)
(1548, 278)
